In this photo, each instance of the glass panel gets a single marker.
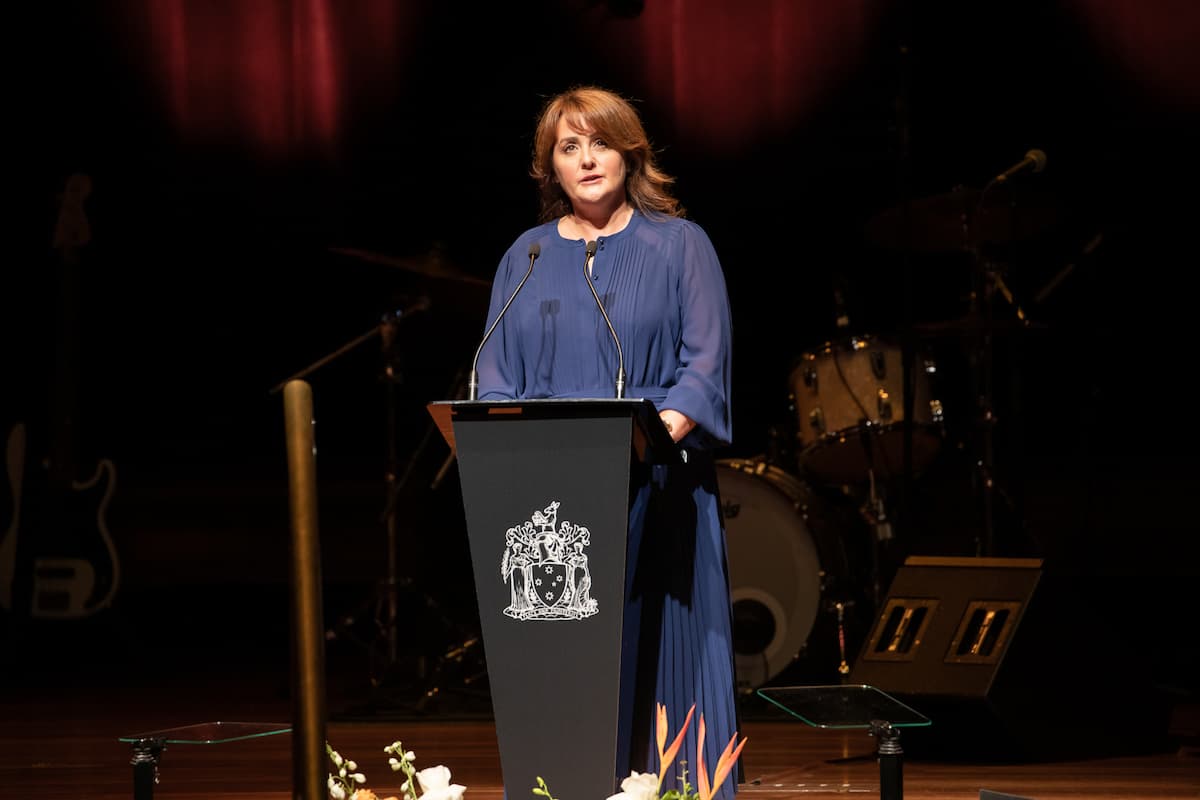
(212, 732)
(849, 706)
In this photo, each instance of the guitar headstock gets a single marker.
(72, 231)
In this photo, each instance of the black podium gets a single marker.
(546, 488)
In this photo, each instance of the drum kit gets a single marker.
(809, 526)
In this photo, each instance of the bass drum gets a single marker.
(775, 566)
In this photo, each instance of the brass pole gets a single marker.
(308, 640)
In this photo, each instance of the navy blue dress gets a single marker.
(664, 291)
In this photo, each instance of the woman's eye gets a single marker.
(599, 143)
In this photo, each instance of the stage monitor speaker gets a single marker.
(1007, 662)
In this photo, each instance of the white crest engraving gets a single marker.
(546, 569)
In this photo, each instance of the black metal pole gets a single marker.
(145, 767)
(891, 761)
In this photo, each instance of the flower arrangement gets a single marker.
(434, 781)
(648, 786)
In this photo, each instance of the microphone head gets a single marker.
(591, 248)
(1038, 158)
(535, 249)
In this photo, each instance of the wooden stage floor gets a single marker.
(59, 731)
(68, 692)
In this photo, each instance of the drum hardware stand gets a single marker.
(987, 281)
(840, 608)
(454, 656)
(457, 654)
(385, 597)
(903, 125)
(397, 483)
(874, 512)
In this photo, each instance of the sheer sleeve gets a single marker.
(702, 377)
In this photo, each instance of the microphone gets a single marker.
(587, 262)
(1034, 158)
(535, 250)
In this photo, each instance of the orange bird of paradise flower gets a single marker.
(667, 756)
(724, 763)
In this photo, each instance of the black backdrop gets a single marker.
(210, 278)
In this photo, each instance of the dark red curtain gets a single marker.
(285, 74)
(736, 72)
(280, 74)
(1154, 41)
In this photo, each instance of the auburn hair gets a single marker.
(612, 118)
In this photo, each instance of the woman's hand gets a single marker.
(677, 424)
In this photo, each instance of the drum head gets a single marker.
(774, 568)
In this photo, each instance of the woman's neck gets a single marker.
(589, 224)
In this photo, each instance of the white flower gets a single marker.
(410, 756)
(435, 784)
(638, 787)
(336, 791)
(394, 764)
(350, 765)
(358, 777)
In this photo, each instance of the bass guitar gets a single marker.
(57, 559)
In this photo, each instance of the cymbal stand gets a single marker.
(431, 681)
(396, 480)
(395, 484)
(986, 282)
(386, 332)
(981, 359)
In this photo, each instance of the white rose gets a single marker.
(435, 784)
(638, 787)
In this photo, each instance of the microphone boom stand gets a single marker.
(986, 282)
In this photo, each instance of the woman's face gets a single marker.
(589, 171)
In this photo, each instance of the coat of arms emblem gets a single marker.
(546, 569)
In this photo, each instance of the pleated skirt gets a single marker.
(678, 625)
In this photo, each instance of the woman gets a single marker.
(664, 292)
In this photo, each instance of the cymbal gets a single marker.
(976, 325)
(430, 267)
(959, 220)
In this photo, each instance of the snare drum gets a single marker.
(848, 398)
(775, 565)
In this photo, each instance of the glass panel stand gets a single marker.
(148, 746)
(855, 707)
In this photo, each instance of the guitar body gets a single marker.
(57, 559)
